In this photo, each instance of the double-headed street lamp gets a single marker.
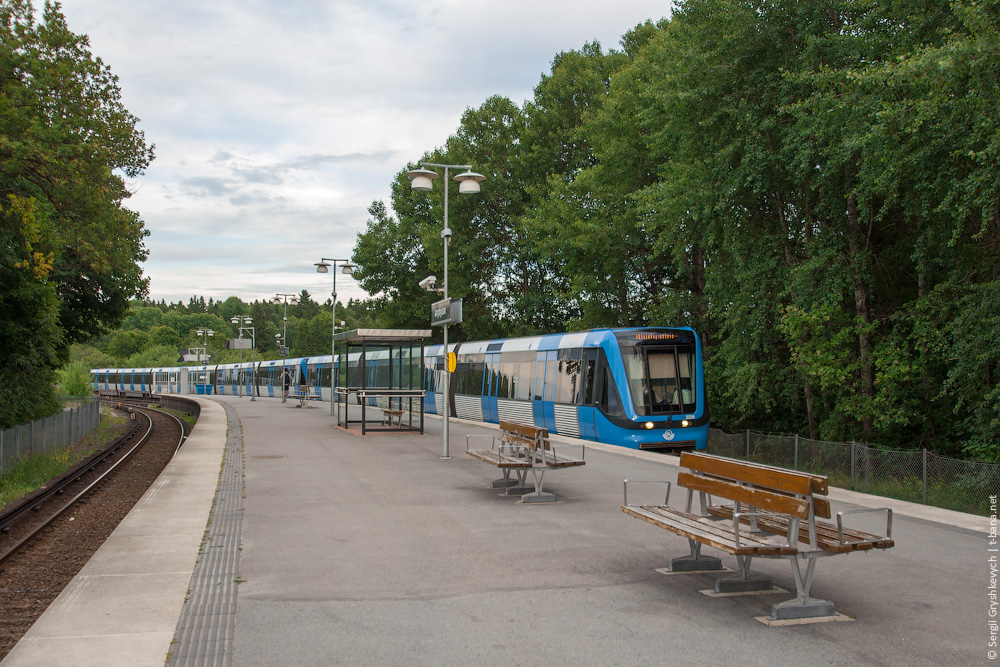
(294, 300)
(245, 322)
(423, 179)
(204, 350)
(348, 269)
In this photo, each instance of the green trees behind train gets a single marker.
(813, 185)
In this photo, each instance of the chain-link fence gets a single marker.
(918, 476)
(50, 434)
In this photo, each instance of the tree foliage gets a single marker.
(66, 146)
(814, 186)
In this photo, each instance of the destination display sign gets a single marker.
(643, 336)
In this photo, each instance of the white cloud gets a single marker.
(277, 122)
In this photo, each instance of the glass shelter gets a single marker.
(379, 376)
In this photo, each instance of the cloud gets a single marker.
(277, 122)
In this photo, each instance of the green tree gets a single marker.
(66, 145)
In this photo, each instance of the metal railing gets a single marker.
(917, 476)
(49, 435)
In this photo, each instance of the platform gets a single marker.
(345, 549)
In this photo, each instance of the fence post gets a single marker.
(748, 444)
(925, 476)
(854, 465)
(796, 464)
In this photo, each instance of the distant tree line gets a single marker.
(813, 185)
(154, 334)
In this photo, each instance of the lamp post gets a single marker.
(294, 299)
(205, 333)
(423, 179)
(244, 323)
(348, 269)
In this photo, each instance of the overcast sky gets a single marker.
(277, 122)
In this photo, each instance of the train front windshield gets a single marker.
(661, 377)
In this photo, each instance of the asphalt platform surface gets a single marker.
(373, 550)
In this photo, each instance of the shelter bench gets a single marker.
(389, 414)
(770, 512)
(518, 449)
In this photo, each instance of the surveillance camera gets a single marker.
(428, 283)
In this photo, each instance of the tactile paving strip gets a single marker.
(204, 636)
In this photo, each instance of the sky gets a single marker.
(276, 123)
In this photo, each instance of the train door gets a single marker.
(430, 384)
(542, 405)
(490, 383)
(588, 380)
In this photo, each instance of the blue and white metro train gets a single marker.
(642, 388)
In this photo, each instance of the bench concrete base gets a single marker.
(695, 564)
(743, 584)
(503, 483)
(798, 608)
(538, 497)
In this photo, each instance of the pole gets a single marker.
(333, 340)
(445, 453)
(253, 369)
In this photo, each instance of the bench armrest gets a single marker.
(840, 524)
(583, 449)
(666, 499)
(493, 439)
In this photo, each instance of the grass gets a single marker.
(33, 472)
(190, 419)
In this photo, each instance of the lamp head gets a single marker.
(348, 269)
(421, 179)
(322, 267)
(469, 182)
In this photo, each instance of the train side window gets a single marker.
(567, 377)
(589, 376)
(609, 401)
(539, 379)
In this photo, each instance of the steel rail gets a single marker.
(142, 440)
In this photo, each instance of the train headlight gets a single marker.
(649, 424)
(685, 423)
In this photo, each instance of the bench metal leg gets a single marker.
(504, 481)
(743, 581)
(519, 487)
(538, 496)
(695, 562)
(803, 606)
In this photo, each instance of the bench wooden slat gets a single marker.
(827, 537)
(553, 460)
(760, 498)
(789, 481)
(713, 533)
(495, 458)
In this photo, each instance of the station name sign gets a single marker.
(446, 311)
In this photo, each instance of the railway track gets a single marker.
(49, 537)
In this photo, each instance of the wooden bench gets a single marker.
(388, 414)
(518, 449)
(769, 512)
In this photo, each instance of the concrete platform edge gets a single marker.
(105, 617)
